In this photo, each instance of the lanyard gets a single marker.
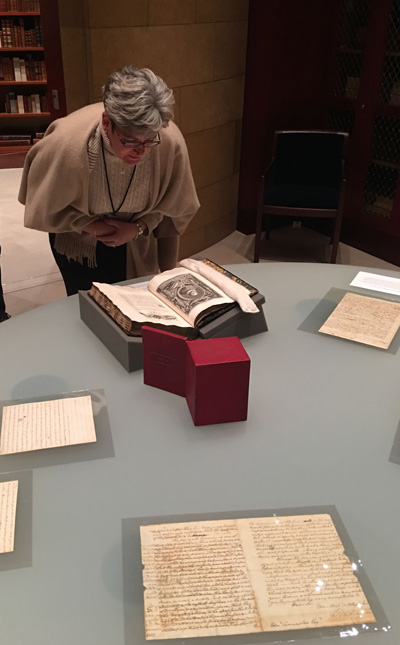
(114, 211)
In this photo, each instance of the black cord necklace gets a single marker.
(115, 211)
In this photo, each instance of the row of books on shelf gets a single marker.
(19, 104)
(13, 140)
(21, 69)
(19, 5)
(14, 34)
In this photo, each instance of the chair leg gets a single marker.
(257, 239)
(267, 220)
(335, 240)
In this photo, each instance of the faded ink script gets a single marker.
(47, 424)
(249, 575)
(8, 509)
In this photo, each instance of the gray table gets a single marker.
(322, 419)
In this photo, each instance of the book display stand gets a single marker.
(128, 349)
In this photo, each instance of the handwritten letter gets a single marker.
(196, 581)
(47, 424)
(364, 319)
(8, 509)
(249, 575)
(300, 574)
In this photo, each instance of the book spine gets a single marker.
(17, 69)
(37, 103)
(20, 104)
(13, 103)
(24, 76)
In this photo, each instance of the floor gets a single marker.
(31, 278)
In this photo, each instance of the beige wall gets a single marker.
(199, 48)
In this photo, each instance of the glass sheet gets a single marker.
(101, 449)
(133, 586)
(22, 554)
(395, 452)
(326, 306)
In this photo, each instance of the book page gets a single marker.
(376, 282)
(8, 510)
(187, 292)
(140, 305)
(196, 582)
(300, 575)
(47, 424)
(364, 319)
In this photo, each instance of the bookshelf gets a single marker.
(31, 76)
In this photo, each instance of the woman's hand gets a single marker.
(99, 228)
(123, 232)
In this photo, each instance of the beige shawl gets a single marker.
(55, 188)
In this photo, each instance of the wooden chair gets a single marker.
(305, 179)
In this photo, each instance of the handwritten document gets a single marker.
(8, 509)
(47, 424)
(364, 319)
(245, 576)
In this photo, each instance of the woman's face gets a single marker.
(127, 147)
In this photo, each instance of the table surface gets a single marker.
(323, 414)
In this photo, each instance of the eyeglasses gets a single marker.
(135, 144)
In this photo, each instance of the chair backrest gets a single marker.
(309, 157)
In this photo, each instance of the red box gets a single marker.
(217, 380)
(164, 360)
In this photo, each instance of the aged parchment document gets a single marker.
(8, 509)
(47, 424)
(250, 575)
(364, 319)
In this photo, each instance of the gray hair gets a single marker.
(138, 100)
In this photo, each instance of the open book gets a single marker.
(178, 301)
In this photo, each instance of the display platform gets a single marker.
(322, 419)
(128, 349)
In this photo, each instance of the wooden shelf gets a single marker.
(389, 110)
(348, 50)
(16, 115)
(387, 164)
(21, 49)
(23, 82)
(377, 210)
(16, 149)
(10, 14)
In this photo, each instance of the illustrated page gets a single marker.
(47, 424)
(187, 293)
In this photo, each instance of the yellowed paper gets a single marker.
(300, 574)
(246, 576)
(196, 581)
(366, 320)
(47, 424)
(8, 510)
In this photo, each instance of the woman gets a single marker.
(112, 184)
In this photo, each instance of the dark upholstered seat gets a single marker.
(305, 179)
